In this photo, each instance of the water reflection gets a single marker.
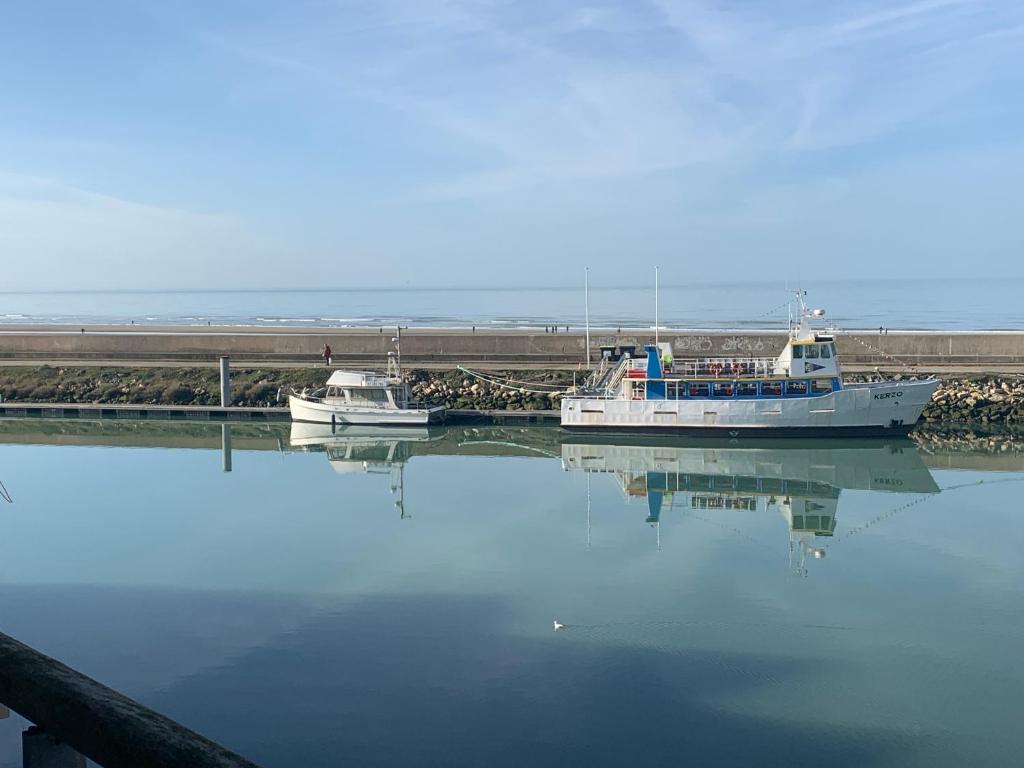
(800, 481)
(294, 580)
(365, 449)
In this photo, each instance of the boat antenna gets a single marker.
(397, 341)
(656, 306)
(586, 307)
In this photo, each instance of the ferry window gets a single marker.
(798, 351)
(698, 390)
(812, 352)
(796, 387)
(722, 389)
(825, 351)
(771, 389)
(821, 386)
(746, 388)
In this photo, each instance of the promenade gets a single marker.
(934, 352)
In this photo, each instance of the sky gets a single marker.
(253, 144)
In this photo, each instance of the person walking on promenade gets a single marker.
(326, 354)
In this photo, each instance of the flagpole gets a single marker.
(656, 306)
(586, 306)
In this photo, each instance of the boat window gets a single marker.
(826, 352)
(771, 389)
(821, 386)
(746, 388)
(370, 396)
(697, 389)
(795, 388)
(723, 389)
(812, 352)
(798, 351)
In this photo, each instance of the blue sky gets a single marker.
(259, 144)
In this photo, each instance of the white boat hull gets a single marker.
(319, 412)
(857, 409)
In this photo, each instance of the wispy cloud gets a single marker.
(59, 228)
(553, 92)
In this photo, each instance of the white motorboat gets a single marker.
(799, 393)
(361, 397)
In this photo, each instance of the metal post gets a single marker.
(225, 381)
(225, 446)
(586, 307)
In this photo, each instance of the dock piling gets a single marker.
(225, 446)
(225, 381)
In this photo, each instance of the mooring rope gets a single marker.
(878, 351)
(903, 507)
(518, 386)
(4, 493)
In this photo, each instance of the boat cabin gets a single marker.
(806, 367)
(366, 389)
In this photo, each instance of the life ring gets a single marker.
(737, 368)
(715, 369)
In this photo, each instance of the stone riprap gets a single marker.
(990, 399)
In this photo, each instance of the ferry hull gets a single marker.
(329, 413)
(859, 410)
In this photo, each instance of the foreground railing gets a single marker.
(73, 711)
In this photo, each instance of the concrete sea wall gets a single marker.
(971, 352)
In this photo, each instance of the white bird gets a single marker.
(558, 625)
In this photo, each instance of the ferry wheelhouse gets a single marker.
(800, 392)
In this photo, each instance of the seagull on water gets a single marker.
(558, 625)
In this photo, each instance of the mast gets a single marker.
(656, 307)
(586, 307)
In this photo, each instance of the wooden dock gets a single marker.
(218, 413)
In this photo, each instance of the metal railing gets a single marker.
(726, 368)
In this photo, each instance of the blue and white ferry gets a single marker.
(800, 393)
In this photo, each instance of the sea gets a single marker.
(375, 598)
(942, 305)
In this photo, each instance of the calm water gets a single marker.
(361, 599)
(919, 304)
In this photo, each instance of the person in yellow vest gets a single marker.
(666, 361)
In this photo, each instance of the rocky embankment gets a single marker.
(984, 400)
(988, 400)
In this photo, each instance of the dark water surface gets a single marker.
(387, 599)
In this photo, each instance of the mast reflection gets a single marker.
(364, 450)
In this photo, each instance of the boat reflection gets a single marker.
(801, 480)
(364, 449)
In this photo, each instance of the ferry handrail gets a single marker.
(727, 367)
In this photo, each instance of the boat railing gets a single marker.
(635, 367)
(725, 368)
